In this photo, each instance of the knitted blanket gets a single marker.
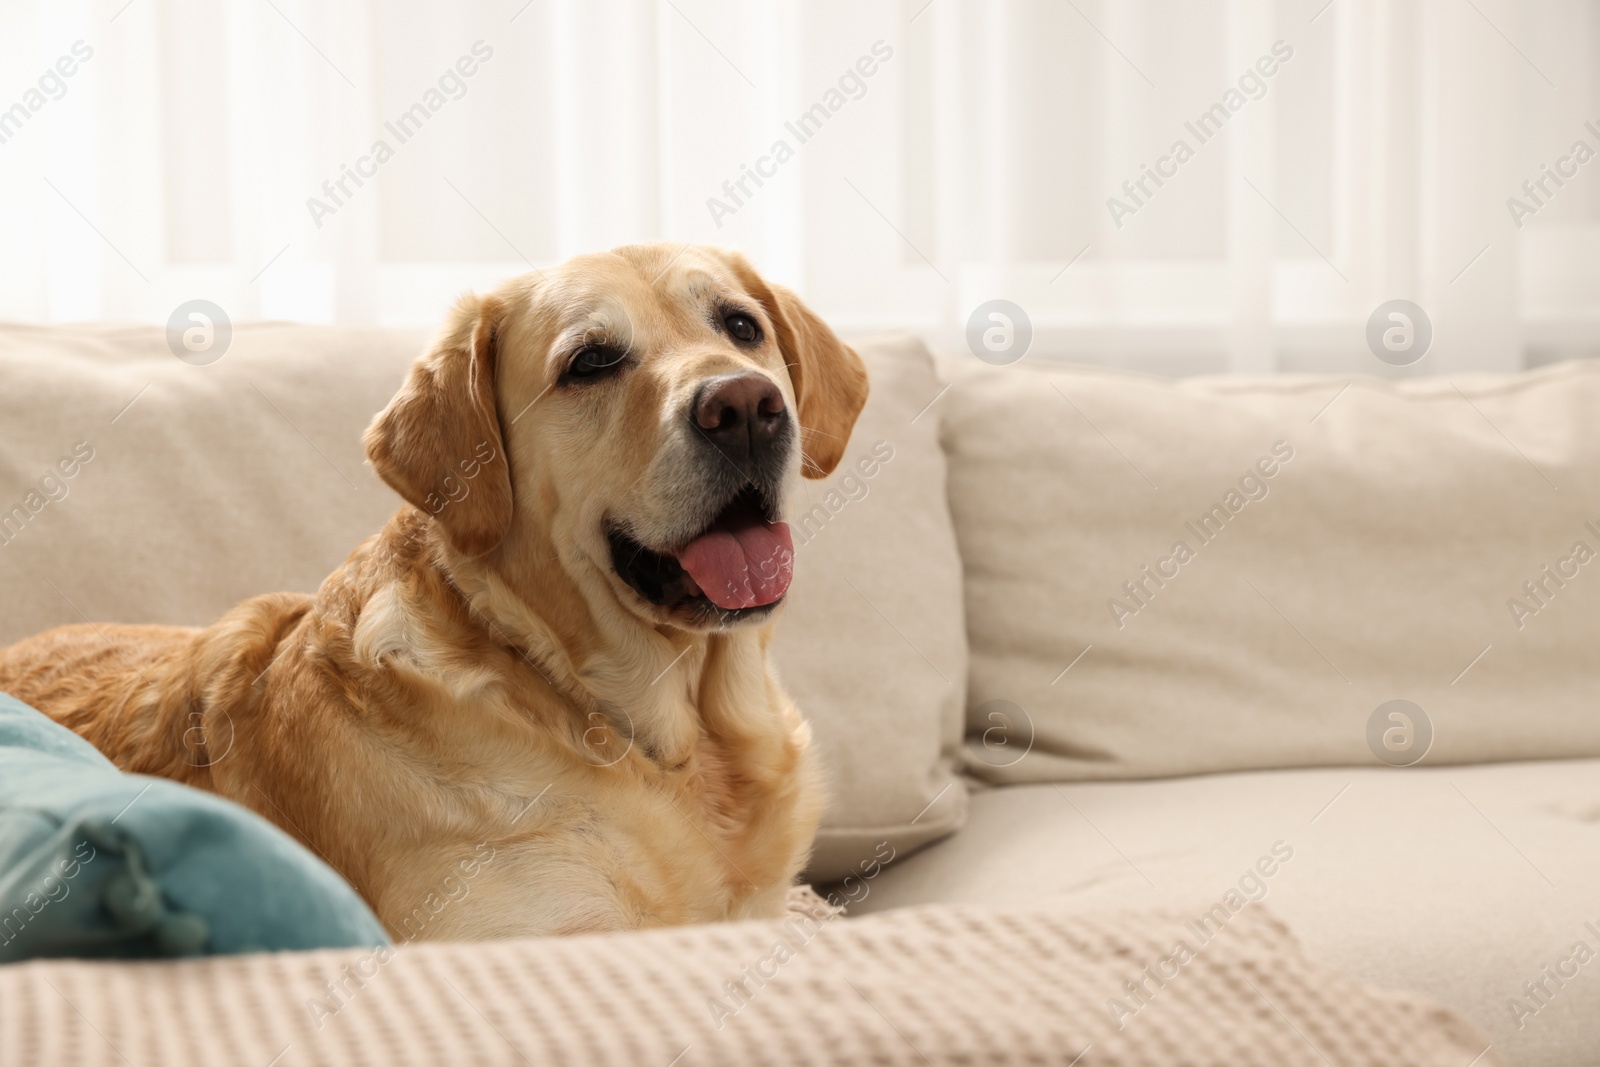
(936, 985)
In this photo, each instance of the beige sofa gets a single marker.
(1023, 690)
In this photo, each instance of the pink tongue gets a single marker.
(742, 567)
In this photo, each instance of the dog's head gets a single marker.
(635, 415)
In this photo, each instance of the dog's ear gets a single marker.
(830, 381)
(438, 443)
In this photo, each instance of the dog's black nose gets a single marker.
(742, 414)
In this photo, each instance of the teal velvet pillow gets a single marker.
(94, 862)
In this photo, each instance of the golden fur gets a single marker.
(476, 679)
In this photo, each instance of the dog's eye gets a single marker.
(742, 327)
(593, 361)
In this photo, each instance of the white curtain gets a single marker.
(898, 161)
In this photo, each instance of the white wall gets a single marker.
(977, 163)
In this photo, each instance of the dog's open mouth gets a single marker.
(741, 562)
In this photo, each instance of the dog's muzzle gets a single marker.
(740, 561)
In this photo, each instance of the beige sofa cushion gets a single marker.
(873, 646)
(1375, 538)
(1460, 883)
(194, 487)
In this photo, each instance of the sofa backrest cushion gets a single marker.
(138, 488)
(1172, 577)
(873, 647)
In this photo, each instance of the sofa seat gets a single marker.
(1462, 882)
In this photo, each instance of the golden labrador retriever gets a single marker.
(548, 674)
